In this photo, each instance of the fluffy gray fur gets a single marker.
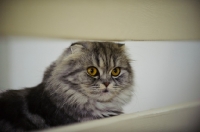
(68, 94)
(68, 83)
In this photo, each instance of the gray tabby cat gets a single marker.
(90, 80)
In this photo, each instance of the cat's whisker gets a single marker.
(95, 87)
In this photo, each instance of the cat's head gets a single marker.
(98, 70)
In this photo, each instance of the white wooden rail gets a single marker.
(102, 19)
(182, 117)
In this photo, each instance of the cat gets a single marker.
(90, 80)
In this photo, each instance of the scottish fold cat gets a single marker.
(90, 80)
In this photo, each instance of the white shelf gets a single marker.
(182, 117)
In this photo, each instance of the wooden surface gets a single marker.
(177, 118)
(102, 19)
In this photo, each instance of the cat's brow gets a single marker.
(101, 61)
(111, 62)
(97, 60)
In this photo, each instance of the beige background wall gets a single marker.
(102, 19)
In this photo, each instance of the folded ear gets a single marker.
(122, 46)
(76, 47)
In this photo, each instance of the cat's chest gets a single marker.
(99, 115)
(102, 110)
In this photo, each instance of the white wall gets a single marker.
(166, 73)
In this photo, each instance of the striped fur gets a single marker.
(68, 94)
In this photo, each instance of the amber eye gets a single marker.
(92, 71)
(115, 71)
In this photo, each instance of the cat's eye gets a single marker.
(116, 71)
(92, 71)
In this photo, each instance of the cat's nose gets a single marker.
(106, 83)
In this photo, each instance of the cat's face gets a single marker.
(98, 70)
